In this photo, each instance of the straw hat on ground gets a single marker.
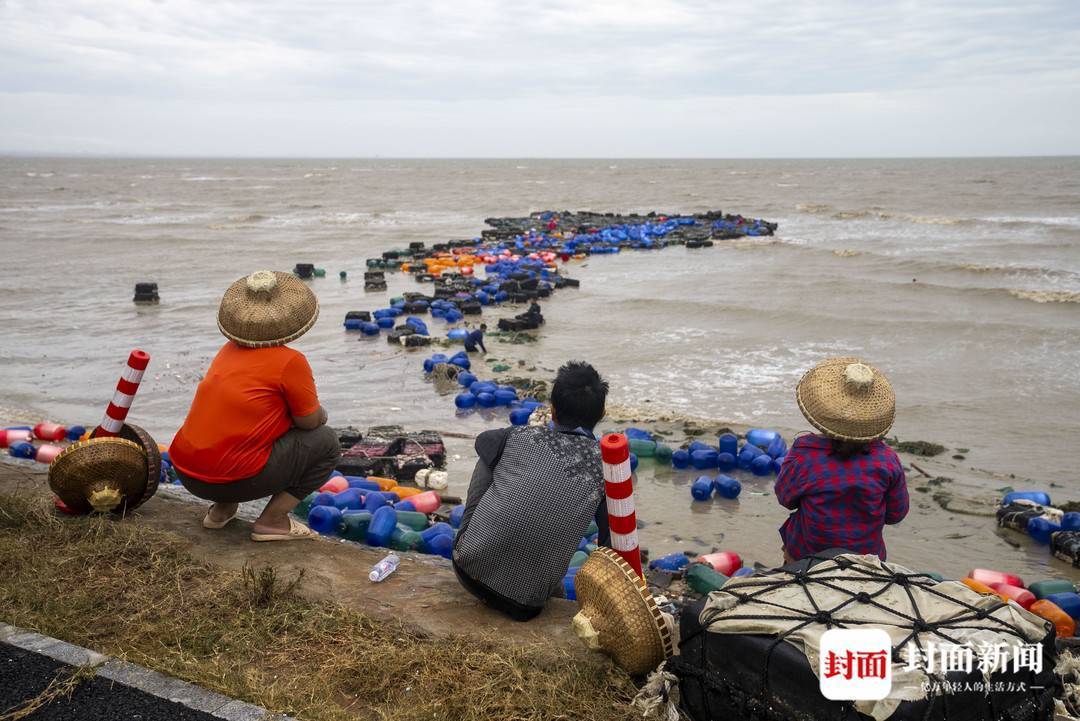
(266, 309)
(847, 399)
(107, 474)
(618, 614)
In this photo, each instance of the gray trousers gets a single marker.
(300, 462)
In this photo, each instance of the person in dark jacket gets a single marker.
(532, 496)
(476, 338)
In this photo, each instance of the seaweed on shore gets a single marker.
(917, 448)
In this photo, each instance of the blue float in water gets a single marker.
(374, 501)
(680, 459)
(22, 449)
(457, 334)
(704, 459)
(777, 447)
(466, 379)
(441, 545)
(385, 322)
(482, 387)
(369, 328)
(1040, 497)
(725, 461)
(699, 446)
(520, 416)
(670, 562)
(1067, 602)
(727, 486)
(486, 400)
(464, 400)
(1040, 529)
(729, 443)
(504, 397)
(74, 433)
(1070, 521)
(633, 462)
(761, 466)
(702, 488)
(405, 505)
(350, 498)
(323, 499)
(760, 437)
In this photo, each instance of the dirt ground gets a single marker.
(423, 592)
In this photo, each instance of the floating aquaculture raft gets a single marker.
(751, 650)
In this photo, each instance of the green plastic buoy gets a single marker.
(415, 520)
(578, 558)
(343, 275)
(642, 448)
(405, 539)
(1042, 589)
(663, 453)
(703, 578)
(304, 507)
(593, 528)
(355, 526)
(320, 272)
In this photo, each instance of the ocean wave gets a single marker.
(1046, 296)
(878, 213)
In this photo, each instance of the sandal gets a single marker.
(297, 532)
(213, 525)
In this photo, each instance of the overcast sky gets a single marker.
(548, 78)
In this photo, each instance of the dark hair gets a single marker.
(846, 450)
(578, 395)
(483, 326)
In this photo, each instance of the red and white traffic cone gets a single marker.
(619, 487)
(118, 408)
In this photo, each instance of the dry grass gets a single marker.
(135, 593)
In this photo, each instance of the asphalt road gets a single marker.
(24, 675)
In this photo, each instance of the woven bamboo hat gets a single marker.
(847, 399)
(618, 614)
(266, 309)
(99, 474)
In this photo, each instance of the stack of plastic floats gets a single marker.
(19, 440)
(1056, 600)
(378, 512)
(705, 573)
(1031, 512)
(741, 226)
(483, 394)
(585, 548)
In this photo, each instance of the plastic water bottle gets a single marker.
(384, 568)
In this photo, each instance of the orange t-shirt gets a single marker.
(244, 404)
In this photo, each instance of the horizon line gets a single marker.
(197, 156)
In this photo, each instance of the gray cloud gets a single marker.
(492, 77)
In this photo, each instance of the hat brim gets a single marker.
(829, 429)
(248, 343)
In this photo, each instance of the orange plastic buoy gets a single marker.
(1063, 622)
(404, 492)
(978, 587)
(385, 484)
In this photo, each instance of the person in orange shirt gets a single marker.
(256, 428)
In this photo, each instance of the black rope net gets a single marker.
(923, 617)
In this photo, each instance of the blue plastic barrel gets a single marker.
(761, 466)
(374, 501)
(482, 387)
(324, 498)
(633, 462)
(746, 570)
(464, 400)
(1040, 529)
(457, 334)
(760, 437)
(456, 513)
(777, 464)
(702, 488)
(704, 459)
(325, 519)
(670, 562)
(385, 322)
(729, 443)
(520, 416)
(22, 449)
(1040, 497)
(1067, 602)
(353, 323)
(777, 447)
(383, 523)
(1070, 521)
(504, 397)
(465, 379)
(486, 400)
(725, 461)
(350, 498)
(405, 505)
(369, 328)
(680, 459)
(74, 433)
(362, 483)
(699, 446)
(727, 486)
(569, 590)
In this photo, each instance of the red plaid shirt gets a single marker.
(837, 503)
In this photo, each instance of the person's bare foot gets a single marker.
(221, 512)
(272, 524)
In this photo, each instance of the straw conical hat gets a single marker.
(267, 308)
(618, 614)
(847, 399)
(153, 462)
(100, 474)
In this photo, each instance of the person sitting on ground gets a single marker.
(844, 484)
(256, 427)
(533, 493)
(476, 338)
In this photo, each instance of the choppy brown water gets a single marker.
(960, 278)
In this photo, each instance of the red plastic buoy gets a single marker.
(50, 432)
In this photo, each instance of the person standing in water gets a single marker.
(256, 428)
(476, 338)
(844, 484)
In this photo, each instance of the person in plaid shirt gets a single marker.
(844, 484)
